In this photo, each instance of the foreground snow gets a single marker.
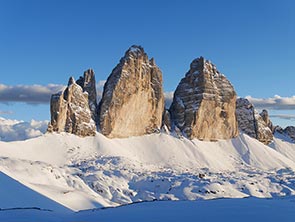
(95, 172)
(242, 210)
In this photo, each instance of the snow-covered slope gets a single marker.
(15, 195)
(230, 210)
(83, 173)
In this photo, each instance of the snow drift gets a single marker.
(82, 173)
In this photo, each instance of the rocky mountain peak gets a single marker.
(204, 103)
(71, 81)
(252, 123)
(88, 84)
(71, 109)
(132, 102)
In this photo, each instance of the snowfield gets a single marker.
(93, 172)
(229, 210)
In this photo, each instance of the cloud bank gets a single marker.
(13, 130)
(283, 116)
(32, 94)
(40, 94)
(273, 103)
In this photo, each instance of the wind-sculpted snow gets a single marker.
(91, 172)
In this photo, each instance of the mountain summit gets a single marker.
(204, 103)
(132, 103)
(73, 110)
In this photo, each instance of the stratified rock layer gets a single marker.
(132, 103)
(252, 123)
(204, 103)
(70, 111)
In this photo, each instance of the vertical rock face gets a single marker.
(252, 123)
(70, 111)
(132, 103)
(88, 84)
(265, 117)
(204, 103)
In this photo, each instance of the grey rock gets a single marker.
(204, 103)
(70, 111)
(252, 123)
(290, 131)
(266, 119)
(88, 84)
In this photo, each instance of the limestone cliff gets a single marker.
(204, 103)
(132, 103)
(70, 111)
(252, 123)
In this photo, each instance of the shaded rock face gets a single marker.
(204, 103)
(166, 121)
(252, 123)
(132, 103)
(70, 111)
(88, 84)
(290, 131)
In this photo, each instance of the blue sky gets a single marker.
(251, 42)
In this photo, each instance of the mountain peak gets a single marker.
(71, 81)
(135, 50)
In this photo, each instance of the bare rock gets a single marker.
(252, 123)
(132, 103)
(266, 119)
(166, 121)
(88, 84)
(290, 132)
(204, 103)
(70, 111)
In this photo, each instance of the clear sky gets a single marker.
(45, 41)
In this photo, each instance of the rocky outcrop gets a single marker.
(166, 121)
(132, 103)
(290, 132)
(88, 84)
(70, 111)
(204, 103)
(266, 119)
(252, 123)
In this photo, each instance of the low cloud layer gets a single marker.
(3, 112)
(283, 116)
(40, 94)
(12, 130)
(273, 103)
(32, 94)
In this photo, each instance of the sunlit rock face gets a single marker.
(70, 111)
(88, 84)
(132, 103)
(204, 103)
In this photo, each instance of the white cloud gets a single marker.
(32, 94)
(12, 130)
(273, 103)
(168, 98)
